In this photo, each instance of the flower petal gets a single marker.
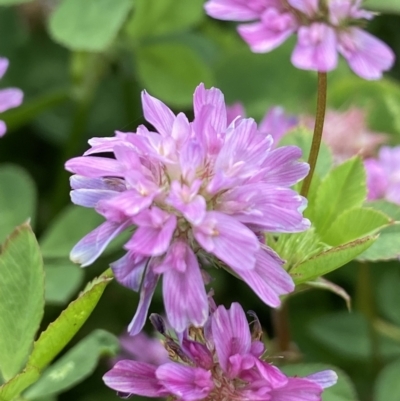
(131, 377)
(129, 270)
(3, 66)
(94, 167)
(229, 240)
(316, 48)
(154, 232)
(272, 31)
(10, 98)
(367, 56)
(185, 382)
(90, 247)
(234, 10)
(157, 114)
(268, 279)
(184, 282)
(149, 284)
(231, 334)
(325, 378)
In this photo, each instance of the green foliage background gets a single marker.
(82, 65)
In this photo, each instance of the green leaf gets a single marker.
(343, 390)
(354, 224)
(62, 281)
(348, 334)
(387, 245)
(389, 6)
(21, 298)
(343, 188)
(60, 332)
(17, 198)
(158, 17)
(89, 25)
(171, 71)
(329, 260)
(75, 366)
(67, 229)
(387, 386)
(57, 335)
(19, 383)
(302, 137)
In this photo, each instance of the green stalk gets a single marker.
(318, 128)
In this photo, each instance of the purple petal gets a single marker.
(268, 279)
(234, 111)
(272, 375)
(316, 48)
(131, 377)
(3, 128)
(146, 294)
(231, 334)
(154, 232)
(229, 240)
(325, 379)
(94, 167)
(271, 32)
(157, 114)
(90, 197)
(186, 200)
(185, 382)
(82, 182)
(129, 270)
(377, 179)
(182, 280)
(90, 247)
(297, 389)
(276, 123)
(213, 100)
(234, 10)
(3, 66)
(267, 207)
(281, 167)
(308, 7)
(367, 56)
(10, 98)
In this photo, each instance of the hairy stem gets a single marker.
(318, 128)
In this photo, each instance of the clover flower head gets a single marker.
(188, 190)
(9, 97)
(346, 134)
(383, 175)
(221, 361)
(324, 29)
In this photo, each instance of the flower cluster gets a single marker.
(221, 361)
(383, 175)
(201, 188)
(324, 29)
(9, 98)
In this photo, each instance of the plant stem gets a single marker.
(280, 321)
(318, 128)
(366, 305)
